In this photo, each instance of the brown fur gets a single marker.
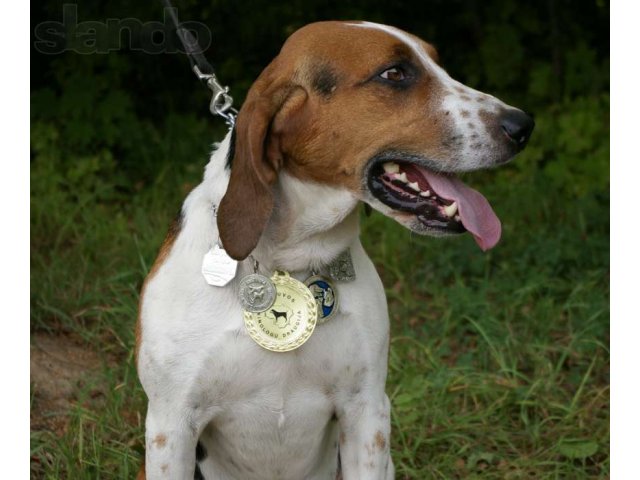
(160, 441)
(380, 441)
(316, 113)
(246, 207)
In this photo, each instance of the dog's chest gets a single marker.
(272, 406)
(281, 405)
(237, 375)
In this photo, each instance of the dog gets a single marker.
(348, 112)
(278, 316)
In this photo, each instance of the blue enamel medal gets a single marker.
(325, 295)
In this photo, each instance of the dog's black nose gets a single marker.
(517, 126)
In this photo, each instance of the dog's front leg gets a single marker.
(364, 438)
(171, 439)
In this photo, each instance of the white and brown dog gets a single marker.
(348, 112)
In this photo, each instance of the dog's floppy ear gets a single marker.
(246, 207)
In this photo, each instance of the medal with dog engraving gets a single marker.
(256, 292)
(289, 322)
(325, 294)
(218, 268)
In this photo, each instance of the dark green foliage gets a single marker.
(550, 58)
(499, 361)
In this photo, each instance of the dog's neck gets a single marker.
(310, 226)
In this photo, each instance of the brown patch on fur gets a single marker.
(329, 390)
(379, 440)
(269, 112)
(343, 438)
(142, 474)
(165, 249)
(167, 244)
(292, 113)
(465, 113)
(164, 468)
(387, 119)
(138, 328)
(160, 441)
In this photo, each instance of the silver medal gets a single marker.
(256, 293)
(341, 269)
(218, 268)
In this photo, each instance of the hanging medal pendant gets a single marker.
(341, 269)
(218, 268)
(289, 322)
(325, 294)
(256, 292)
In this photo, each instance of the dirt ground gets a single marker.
(60, 369)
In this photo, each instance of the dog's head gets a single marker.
(367, 108)
(256, 292)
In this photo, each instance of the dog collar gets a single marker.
(280, 312)
(321, 284)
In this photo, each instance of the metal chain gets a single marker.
(256, 264)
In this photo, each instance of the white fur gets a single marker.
(268, 414)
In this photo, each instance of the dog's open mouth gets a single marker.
(441, 202)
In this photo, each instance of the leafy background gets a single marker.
(499, 366)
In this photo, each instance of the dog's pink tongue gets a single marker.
(475, 212)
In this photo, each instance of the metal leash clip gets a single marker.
(221, 101)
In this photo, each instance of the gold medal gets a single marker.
(289, 322)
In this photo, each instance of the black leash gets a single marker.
(221, 102)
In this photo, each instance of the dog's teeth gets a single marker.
(425, 194)
(457, 218)
(414, 186)
(402, 177)
(450, 210)
(391, 167)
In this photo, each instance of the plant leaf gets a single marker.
(577, 449)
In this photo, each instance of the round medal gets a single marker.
(325, 294)
(256, 292)
(289, 322)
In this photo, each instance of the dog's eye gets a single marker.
(393, 74)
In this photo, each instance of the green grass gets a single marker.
(499, 363)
